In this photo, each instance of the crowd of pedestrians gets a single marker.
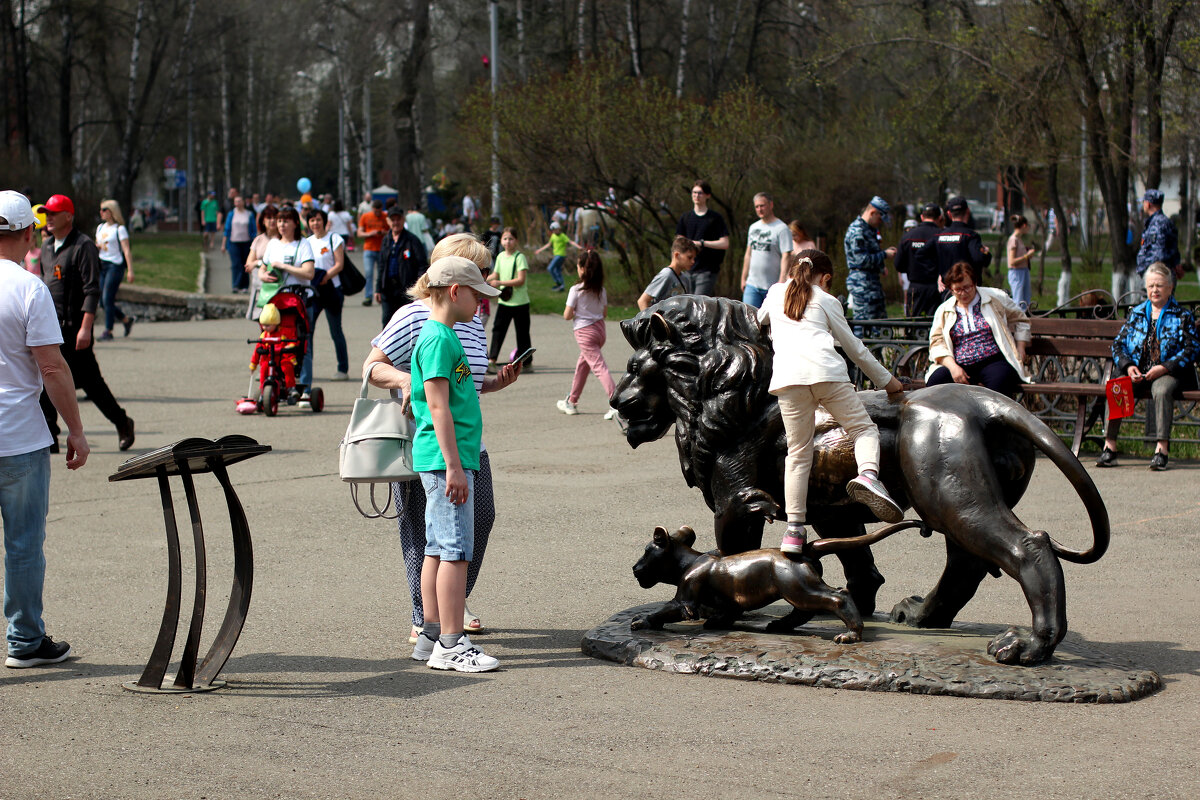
(438, 285)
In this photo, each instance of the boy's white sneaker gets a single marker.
(872, 494)
(612, 412)
(567, 407)
(463, 657)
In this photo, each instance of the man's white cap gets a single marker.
(16, 214)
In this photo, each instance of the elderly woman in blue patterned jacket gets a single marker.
(1157, 348)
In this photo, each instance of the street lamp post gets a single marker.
(495, 65)
(369, 171)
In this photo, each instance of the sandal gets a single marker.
(471, 623)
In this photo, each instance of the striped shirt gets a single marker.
(400, 337)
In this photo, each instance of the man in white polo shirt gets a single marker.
(29, 356)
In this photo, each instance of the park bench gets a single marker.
(1071, 362)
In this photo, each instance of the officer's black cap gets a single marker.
(957, 204)
(931, 210)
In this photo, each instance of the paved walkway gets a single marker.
(324, 702)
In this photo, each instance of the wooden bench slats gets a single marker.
(1076, 328)
(1090, 348)
(1073, 389)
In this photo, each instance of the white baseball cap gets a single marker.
(16, 214)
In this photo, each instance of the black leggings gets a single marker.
(505, 315)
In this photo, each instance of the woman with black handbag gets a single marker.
(329, 254)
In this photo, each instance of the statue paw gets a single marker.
(756, 501)
(848, 637)
(640, 622)
(720, 623)
(1013, 647)
(909, 611)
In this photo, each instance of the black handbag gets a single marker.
(353, 281)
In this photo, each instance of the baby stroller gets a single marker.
(280, 353)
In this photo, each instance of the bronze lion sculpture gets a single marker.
(960, 456)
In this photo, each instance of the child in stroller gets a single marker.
(279, 351)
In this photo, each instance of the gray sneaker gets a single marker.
(463, 657)
(423, 649)
(871, 493)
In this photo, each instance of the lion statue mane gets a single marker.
(960, 456)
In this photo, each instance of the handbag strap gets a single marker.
(362, 392)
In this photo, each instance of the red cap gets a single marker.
(60, 202)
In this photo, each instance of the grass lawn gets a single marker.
(166, 260)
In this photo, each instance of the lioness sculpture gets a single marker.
(960, 456)
(719, 588)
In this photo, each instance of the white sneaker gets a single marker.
(423, 648)
(612, 412)
(463, 657)
(872, 494)
(567, 407)
(341, 376)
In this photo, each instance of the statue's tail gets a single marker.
(823, 547)
(1017, 418)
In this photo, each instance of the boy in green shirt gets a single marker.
(209, 210)
(449, 428)
(559, 242)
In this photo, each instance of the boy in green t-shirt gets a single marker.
(559, 242)
(209, 211)
(446, 454)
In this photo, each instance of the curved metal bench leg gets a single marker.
(243, 582)
(160, 656)
(187, 662)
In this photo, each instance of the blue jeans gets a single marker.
(555, 269)
(304, 378)
(330, 300)
(238, 253)
(370, 259)
(1018, 287)
(111, 276)
(449, 528)
(753, 296)
(24, 503)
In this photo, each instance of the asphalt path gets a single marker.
(324, 701)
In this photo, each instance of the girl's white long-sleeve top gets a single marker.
(804, 350)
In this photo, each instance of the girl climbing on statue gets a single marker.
(806, 323)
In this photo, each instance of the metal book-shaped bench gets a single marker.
(186, 458)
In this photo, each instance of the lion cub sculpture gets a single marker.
(720, 588)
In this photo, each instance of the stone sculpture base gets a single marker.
(893, 658)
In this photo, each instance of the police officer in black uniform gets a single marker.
(917, 258)
(958, 241)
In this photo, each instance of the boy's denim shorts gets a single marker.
(449, 529)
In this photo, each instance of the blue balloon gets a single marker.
(303, 185)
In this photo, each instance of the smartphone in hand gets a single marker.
(520, 359)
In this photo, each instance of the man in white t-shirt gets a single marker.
(29, 350)
(768, 246)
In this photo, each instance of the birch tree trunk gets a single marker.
(631, 25)
(580, 17)
(122, 188)
(522, 54)
(227, 156)
(683, 43)
(248, 134)
(65, 151)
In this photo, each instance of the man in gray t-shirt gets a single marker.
(767, 248)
